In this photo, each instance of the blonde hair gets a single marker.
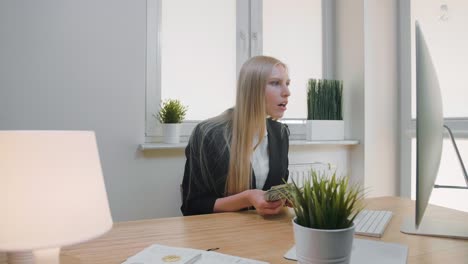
(237, 127)
(248, 120)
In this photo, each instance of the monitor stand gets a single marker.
(438, 228)
(462, 165)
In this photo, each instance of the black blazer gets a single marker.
(198, 196)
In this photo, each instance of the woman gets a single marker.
(234, 157)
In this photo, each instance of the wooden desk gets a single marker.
(249, 235)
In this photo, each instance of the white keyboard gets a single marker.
(372, 223)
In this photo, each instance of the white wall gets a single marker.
(349, 67)
(338, 156)
(81, 65)
(366, 60)
(381, 97)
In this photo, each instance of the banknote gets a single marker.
(277, 192)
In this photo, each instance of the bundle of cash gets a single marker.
(277, 192)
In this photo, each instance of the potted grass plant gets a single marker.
(171, 115)
(324, 110)
(325, 208)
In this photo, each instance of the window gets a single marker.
(443, 27)
(292, 33)
(195, 49)
(198, 57)
(450, 173)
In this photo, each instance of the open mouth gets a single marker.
(282, 104)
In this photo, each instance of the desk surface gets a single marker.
(249, 235)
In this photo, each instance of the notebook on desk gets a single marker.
(370, 252)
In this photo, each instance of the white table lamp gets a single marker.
(52, 193)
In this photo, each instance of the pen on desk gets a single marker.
(212, 249)
(193, 259)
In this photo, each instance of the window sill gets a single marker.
(182, 145)
(348, 142)
(154, 146)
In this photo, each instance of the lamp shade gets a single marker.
(52, 191)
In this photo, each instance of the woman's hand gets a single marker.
(263, 207)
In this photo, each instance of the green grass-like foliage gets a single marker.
(326, 202)
(324, 99)
(172, 111)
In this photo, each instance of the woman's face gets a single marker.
(277, 92)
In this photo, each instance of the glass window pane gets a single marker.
(198, 55)
(292, 32)
(444, 27)
(450, 173)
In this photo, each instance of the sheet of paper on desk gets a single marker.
(159, 254)
(370, 252)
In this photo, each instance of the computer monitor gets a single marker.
(429, 139)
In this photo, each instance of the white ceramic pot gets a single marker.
(325, 129)
(171, 133)
(319, 246)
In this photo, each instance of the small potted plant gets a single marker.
(171, 115)
(325, 209)
(324, 110)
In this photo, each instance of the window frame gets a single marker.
(248, 28)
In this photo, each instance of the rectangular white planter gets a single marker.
(325, 129)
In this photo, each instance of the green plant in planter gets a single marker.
(325, 202)
(172, 111)
(324, 99)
